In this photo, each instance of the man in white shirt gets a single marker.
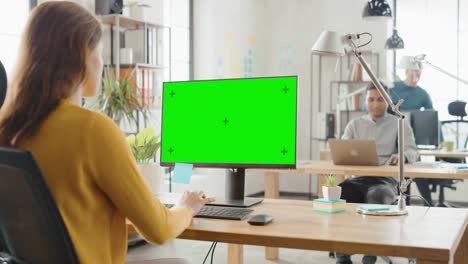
(382, 127)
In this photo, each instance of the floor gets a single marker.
(195, 252)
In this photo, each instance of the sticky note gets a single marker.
(182, 173)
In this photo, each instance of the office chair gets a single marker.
(3, 84)
(457, 109)
(31, 227)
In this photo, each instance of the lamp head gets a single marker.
(394, 42)
(329, 42)
(377, 9)
(409, 63)
(420, 57)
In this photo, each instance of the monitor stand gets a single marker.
(235, 183)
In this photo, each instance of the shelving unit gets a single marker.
(154, 66)
(344, 64)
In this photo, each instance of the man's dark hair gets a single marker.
(371, 86)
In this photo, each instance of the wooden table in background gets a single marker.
(326, 166)
(326, 155)
(430, 235)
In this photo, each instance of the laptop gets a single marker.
(354, 152)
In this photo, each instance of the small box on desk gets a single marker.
(329, 206)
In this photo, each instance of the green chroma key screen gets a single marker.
(230, 122)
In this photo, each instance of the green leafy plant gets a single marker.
(144, 145)
(330, 180)
(118, 99)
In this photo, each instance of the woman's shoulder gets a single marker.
(93, 119)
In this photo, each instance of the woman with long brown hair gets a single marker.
(83, 155)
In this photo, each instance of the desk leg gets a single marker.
(271, 253)
(321, 177)
(235, 254)
(271, 185)
(271, 192)
(461, 254)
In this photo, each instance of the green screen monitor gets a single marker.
(230, 123)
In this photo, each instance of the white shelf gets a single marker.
(127, 22)
(139, 65)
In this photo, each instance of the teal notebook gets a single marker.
(329, 212)
(322, 200)
(374, 208)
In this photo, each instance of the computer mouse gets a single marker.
(260, 219)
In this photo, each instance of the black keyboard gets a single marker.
(218, 212)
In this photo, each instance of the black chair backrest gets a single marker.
(3, 84)
(31, 227)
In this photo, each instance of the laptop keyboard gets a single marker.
(218, 212)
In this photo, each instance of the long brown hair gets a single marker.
(52, 64)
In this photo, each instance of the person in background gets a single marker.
(84, 157)
(415, 98)
(382, 127)
(413, 95)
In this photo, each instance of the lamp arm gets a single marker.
(396, 108)
(446, 72)
(376, 82)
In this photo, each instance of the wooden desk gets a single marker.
(444, 154)
(431, 235)
(411, 170)
(325, 154)
(327, 166)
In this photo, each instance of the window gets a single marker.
(430, 27)
(12, 21)
(179, 15)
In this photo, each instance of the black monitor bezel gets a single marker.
(232, 165)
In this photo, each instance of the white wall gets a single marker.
(283, 33)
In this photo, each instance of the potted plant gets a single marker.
(331, 191)
(136, 9)
(144, 146)
(118, 99)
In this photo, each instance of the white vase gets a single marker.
(331, 193)
(137, 12)
(151, 172)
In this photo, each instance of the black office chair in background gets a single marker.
(451, 130)
(31, 227)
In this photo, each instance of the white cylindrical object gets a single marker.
(126, 56)
(151, 172)
(137, 12)
(331, 193)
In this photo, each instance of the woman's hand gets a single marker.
(194, 201)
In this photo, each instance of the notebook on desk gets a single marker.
(354, 152)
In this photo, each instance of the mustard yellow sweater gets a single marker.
(94, 180)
